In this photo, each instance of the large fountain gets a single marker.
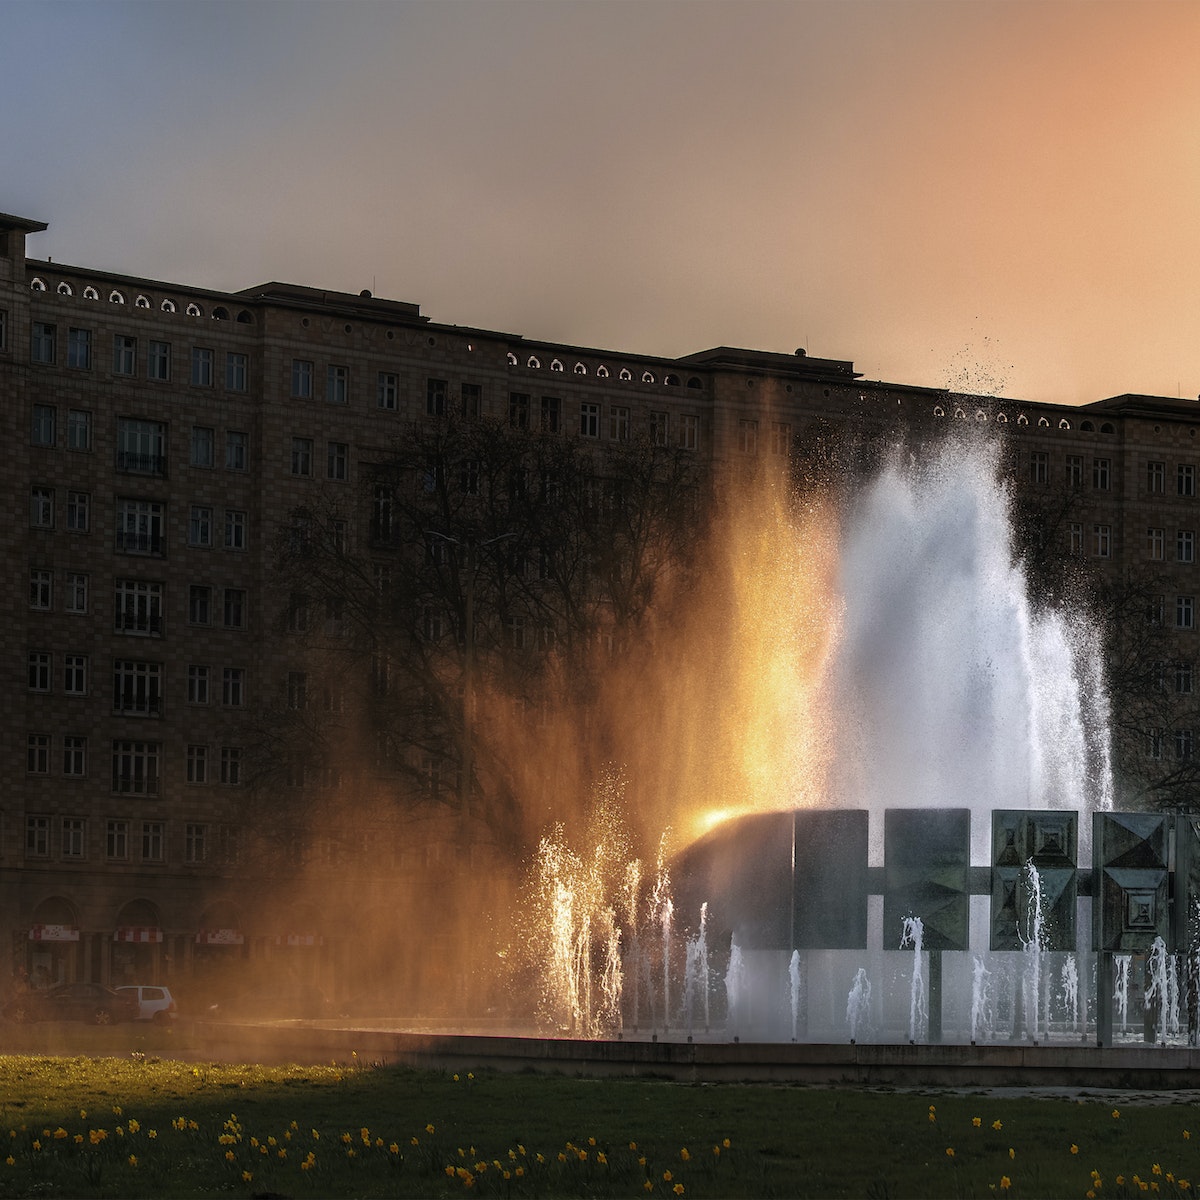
(934, 856)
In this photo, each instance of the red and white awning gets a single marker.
(142, 934)
(219, 937)
(300, 939)
(54, 933)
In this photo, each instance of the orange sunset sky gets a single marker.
(992, 196)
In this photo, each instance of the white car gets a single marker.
(154, 1003)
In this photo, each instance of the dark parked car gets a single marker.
(73, 1002)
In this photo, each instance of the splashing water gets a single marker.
(735, 987)
(858, 1005)
(949, 686)
(695, 988)
(913, 933)
(1121, 987)
(1162, 991)
(981, 1000)
(794, 992)
(1070, 991)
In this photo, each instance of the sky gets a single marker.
(999, 197)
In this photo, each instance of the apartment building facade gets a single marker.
(165, 438)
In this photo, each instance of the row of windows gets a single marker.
(1185, 544)
(1101, 543)
(138, 604)
(1182, 741)
(1185, 611)
(126, 358)
(141, 444)
(1101, 474)
(149, 839)
(137, 686)
(116, 296)
(201, 526)
(135, 764)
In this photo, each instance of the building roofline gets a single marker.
(25, 224)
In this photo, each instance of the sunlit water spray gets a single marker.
(908, 669)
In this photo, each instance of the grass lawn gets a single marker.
(135, 1127)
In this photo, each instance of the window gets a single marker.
(74, 760)
(302, 379)
(748, 436)
(202, 366)
(201, 446)
(1154, 611)
(337, 459)
(472, 401)
(1101, 470)
(42, 428)
(1183, 744)
(3, 329)
(76, 599)
(1185, 612)
(1156, 544)
(297, 690)
(158, 361)
(1185, 545)
(199, 604)
(140, 526)
(235, 608)
(387, 390)
(1185, 479)
(197, 764)
(231, 765)
(618, 423)
(135, 767)
(141, 446)
(116, 839)
(195, 838)
(41, 589)
(297, 613)
(79, 349)
(79, 429)
(137, 688)
(660, 424)
(197, 684)
(518, 410)
(469, 477)
(589, 420)
(435, 397)
(381, 512)
(75, 674)
(235, 529)
(200, 525)
(73, 837)
(233, 687)
(689, 431)
(1076, 538)
(1156, 478)
(337, 384)
(124, 354)
(237, 372)
(1074, 471)
(37, 837)
(237, 450)
(1102, 541)
(1039, 466)
(41, 507)
(43, 342)
(1183, 678)
(515, 627)
(138, 607)
(302, 456)
(37, 754)
(79, 509)
(39, 670)
(781, 438)
(153, 841)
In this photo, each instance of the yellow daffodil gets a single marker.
(997, 1125)
(949, 1151)
(1074, 1148)
(133, 1160)
(977, 1121)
